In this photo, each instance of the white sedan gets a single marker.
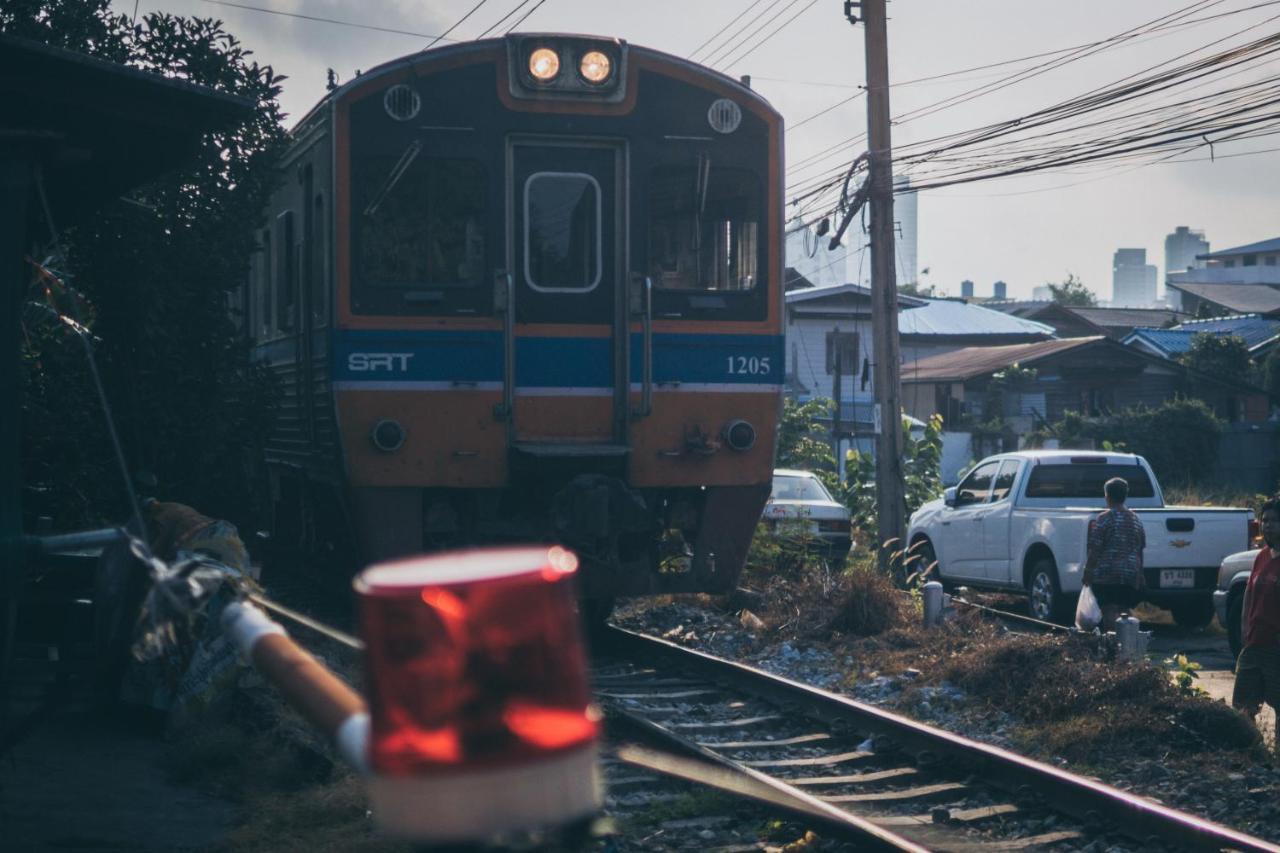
(799, 496)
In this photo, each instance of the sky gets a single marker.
(1025, 230)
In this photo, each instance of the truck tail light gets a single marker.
(1255, 533)
(482, 719)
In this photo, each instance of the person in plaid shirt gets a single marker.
(1113, 567)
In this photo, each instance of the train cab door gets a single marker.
(567, 262)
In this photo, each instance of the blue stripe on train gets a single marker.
(476, 356)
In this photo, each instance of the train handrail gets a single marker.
(646, 366)
(505, 301)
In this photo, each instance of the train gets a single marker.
(528, 289)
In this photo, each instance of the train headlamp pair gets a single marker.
(595, 66)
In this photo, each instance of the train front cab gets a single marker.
(558, 307)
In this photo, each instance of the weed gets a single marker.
(1185, 675)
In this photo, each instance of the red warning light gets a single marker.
(481, 710)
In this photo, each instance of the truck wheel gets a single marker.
(1235, 607)
(1193, 613)
(1047, 602)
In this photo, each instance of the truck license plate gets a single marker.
(1171, 578)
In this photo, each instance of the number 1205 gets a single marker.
(749, 365)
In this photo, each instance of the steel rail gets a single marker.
(1086, 799)
(716, 771)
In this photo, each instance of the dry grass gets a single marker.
(255, 752)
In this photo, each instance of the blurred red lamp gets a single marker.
(482, 719)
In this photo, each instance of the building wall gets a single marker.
(1133, 280)
(807, 357)
(906, 237)
(1181, 248)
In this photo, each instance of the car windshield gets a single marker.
(798, 489)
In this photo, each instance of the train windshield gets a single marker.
(420, 225)
(703, 227)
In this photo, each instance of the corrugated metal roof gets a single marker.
(977, 361)
(1241, 298)
(1255, 331)
(1272, 245)
(810, 294)
(1121, 318)
(1252, 327)
(945, 317)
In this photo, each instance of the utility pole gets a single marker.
(890, 488)
(837, 394)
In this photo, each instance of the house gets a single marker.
(1245, 274)
(1091, 375)
(1260, 334)
(946, 325)
(1213, 298)
(829, 349)
(1071, 321)
(829, 328)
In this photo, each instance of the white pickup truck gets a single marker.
(1019, 521)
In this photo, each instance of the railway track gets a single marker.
(860, 773)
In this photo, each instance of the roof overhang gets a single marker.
(97, 128)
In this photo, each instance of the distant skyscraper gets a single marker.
(1000, 290)
(1181, 248)
(1042, 293)
(966, 289)
(1133, 280)
(906, 236)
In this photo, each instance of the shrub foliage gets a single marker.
(151, 277)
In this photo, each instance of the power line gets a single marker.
(526, 15)
(720, 31)
(321, 20)
(498, 23)
(456, 23)
(729, 63)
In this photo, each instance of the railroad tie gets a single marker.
(727, 724)
(856, 779)
(765, 744)
(924, 792)
(962, 816)
(816, 761)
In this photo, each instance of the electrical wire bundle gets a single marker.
(1159, 114)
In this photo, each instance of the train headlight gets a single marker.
(595, 67)
(387, 436)
(739, 435)
(544, 64)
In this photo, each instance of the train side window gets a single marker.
(265, 280)
(562, 232)
(286, 275)
(419, 230)
(319, 278)
(704, 231)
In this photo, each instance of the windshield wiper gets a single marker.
(393, 177)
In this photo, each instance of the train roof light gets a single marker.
(544, 64)
(551, 66)
(478, 694)
(595, 67)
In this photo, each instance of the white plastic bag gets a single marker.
(1088, 613)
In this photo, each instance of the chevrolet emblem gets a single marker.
(1179, 543)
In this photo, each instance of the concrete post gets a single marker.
(932, 604)
(1127, 634)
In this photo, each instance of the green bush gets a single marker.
(151, 279)
(1178, 438)
(921, 467)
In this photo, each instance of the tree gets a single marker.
(1072, 292)
(1222, 357)
(151, 278)
(804, 442)
(1271, 374)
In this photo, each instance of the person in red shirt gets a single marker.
(1258, 667)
